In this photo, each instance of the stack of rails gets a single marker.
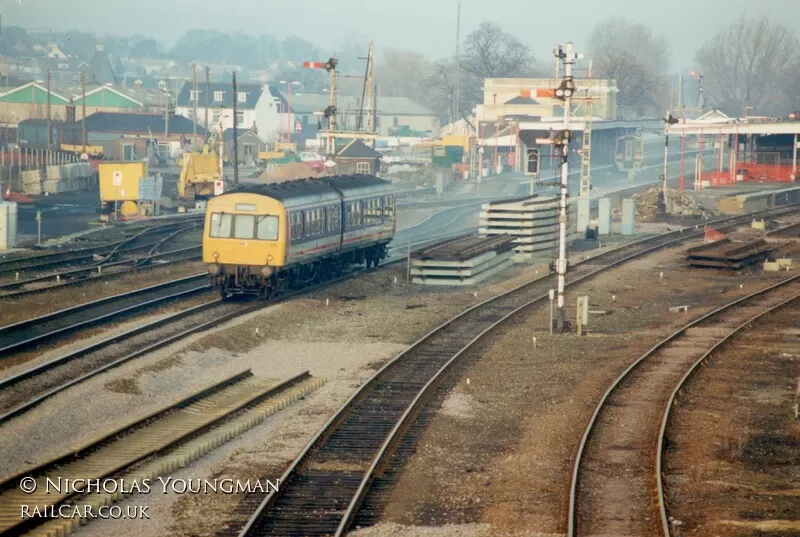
(462, 261)
(726, 254)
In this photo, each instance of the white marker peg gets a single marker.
(741, 286)
(395, 280)
(256, 330)
(327, 301)
(660, 275)
(534, 343)
(613, 298)
(467, 381)
(475, 294)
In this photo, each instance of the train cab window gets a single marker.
(221, 224)
(267, 228)
(244, 226)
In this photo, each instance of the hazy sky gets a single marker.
(427, 26)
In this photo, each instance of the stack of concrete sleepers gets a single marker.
(532, 222)
(463, 261)
(69, 178)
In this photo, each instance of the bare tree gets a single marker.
(629, 53)
(748, 64)
(404, 74)
(492, 53)
(489, 52)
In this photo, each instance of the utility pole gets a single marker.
(236, 135)
(83, 113)
(221, 145)
(166, 111)
(194, 101)
(49, 116)
(457, 106)
(668, 120)
(564, 92)
(586, 150)
(370, 94)
(208, 90)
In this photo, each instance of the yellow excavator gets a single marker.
(200, 177)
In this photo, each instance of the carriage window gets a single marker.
(221, 225)
(267, 227)
(244, 226)
(333, 218)
(297, 225)
(388, 208)
(355, 213)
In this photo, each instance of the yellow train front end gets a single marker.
(244, 243)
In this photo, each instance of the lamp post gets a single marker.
(289, 115)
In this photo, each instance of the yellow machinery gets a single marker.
(91, 150)
(199, 172)
(120, 188)
(279, 150)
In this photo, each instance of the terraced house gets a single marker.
(29, 101)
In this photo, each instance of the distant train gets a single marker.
(647, 149)
(262, 239)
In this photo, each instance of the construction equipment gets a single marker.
(199, 173)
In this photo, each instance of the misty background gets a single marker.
(748, 52)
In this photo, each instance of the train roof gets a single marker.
(360, 185)
(303, 191)
(288, 190)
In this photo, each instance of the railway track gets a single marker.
(106, 269)
(152, 436)
(25, 390)
(616, 485)
(25, 335)
(10, 267)
(324, 488)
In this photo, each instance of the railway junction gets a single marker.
(661, 402)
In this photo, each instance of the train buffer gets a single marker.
(463, 261)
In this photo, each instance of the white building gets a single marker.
(255, 107)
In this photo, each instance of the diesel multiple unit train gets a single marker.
(261, 239)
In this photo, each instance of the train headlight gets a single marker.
(269, 258)
(266, 271)
(213, 269)
(216, 255)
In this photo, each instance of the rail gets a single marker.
(615, 385)
(347, 412)
(662, 504)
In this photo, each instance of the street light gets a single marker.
(289, 115)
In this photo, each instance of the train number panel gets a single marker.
(629, 154)
(261, 239)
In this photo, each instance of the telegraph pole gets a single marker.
(83, 113)
(194, 102)
(208, 90)
(49, 116)
(457, 106)
(666, 151)
(166, 111)
(564, 92)
(236, 135)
